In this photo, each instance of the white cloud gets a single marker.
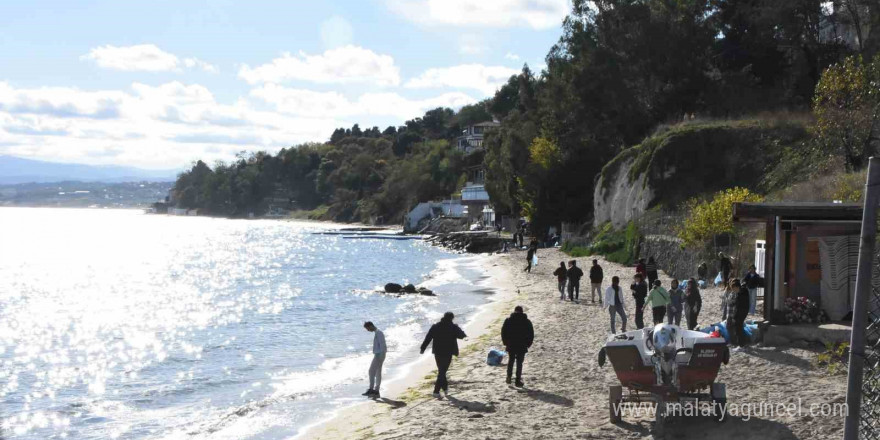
(536, 14)
(336, 31)
(174, 123)
(196, 63)
(142, 57)
(347, 64)
(332, 104)
(511, 56)
(486, 79)
(154, 126)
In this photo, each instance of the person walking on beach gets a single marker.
(379, 351)
(561, 276)
(651, 271)
(517, 335)
(444, 335)
(693, 303)
(596, 276)
(724, 266)
(752, 281)
(658, 299)
(614, 301)
(737, 310)
(574, 281)
(529, 256)
(639, 290)
(676, 296)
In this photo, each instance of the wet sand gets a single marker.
(566, 392)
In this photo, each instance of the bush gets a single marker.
(835, 358)
(707, 219)
(618, 246)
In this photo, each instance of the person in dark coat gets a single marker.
(596, 276)
(651, 271)
(529, 254)
(574, 281)
(561, 276)
(702, 271)
(639, 290)
(752, 282)
(693, 302)
(724, 266)
(737, 310)
(517, 334)
(445, 335)
(640, 267)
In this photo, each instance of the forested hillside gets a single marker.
(621, 69)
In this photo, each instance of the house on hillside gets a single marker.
(471, 139)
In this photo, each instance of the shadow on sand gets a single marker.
(697, 427)
(478, 407)
(780, 356)
(547, 397)
(394, 404)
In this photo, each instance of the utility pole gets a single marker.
(860, 308)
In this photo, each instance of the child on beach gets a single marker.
(658, 299)
(561, 276)
(379, 351)
(444, 335)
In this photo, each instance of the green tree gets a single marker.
(709, 218)
(847, 109)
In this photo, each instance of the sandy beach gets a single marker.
(566, 392)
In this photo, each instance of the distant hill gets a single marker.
(14, 170)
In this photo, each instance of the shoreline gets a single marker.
(344, 422)
(566, 391)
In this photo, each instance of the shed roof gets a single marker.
(760, 212)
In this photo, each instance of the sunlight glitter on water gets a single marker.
(122, 325)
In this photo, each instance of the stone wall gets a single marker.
(671, 258)
(618, 200)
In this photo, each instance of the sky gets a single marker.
(159, 84)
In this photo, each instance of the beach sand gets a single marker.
(566, 392)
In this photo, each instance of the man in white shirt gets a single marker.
(379, 350)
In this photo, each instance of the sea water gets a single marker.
(121, 325)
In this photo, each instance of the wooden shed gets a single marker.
(811, 251)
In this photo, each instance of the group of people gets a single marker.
(648, 292)
(517, 335)
(665, 305)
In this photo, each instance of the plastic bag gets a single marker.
(535, 260)
(495, 357)
(719, 279)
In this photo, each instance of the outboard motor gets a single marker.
(664, 338)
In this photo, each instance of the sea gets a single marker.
(115, 324)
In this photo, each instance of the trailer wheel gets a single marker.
(719, 402)
(615, 397)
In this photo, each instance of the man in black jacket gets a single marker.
(574, 281)
(445, 336)
(517, 334)
(596, 276)
(639, 291)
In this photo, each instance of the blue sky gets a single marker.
(158, 84)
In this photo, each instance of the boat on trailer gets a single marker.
(665, 365)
